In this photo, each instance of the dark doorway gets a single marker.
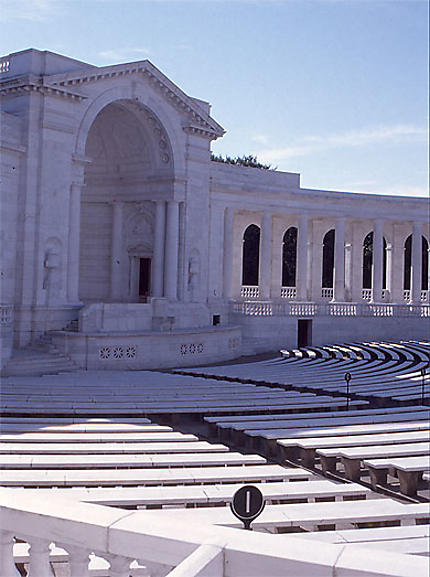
(304, 333)
(144, 279)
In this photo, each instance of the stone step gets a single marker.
(34, 361)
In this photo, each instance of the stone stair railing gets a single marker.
(172, 549)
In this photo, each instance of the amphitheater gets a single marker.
(174, 329)
(131, 473)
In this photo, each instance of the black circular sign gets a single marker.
(347, 377)
(247, 503)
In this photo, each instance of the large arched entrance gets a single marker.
(131, 167)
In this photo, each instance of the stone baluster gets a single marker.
(266, 256)
(7, 565)
(119, 566)
(416, 263)
(78, 560)
(39, 558)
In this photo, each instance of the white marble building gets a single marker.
(123, 239)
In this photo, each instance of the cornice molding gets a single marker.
(199, 119)
(35, 84)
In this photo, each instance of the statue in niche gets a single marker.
(194, 275)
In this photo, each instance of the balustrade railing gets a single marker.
(297, 309)
(288, 292)
(169, 549)
(327, 293)
(250, 292)
(425, 296)
(6, 315)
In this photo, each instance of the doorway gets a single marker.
(144, 279)
(304, 333)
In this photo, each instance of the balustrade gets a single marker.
(6, 314)
(250, 292)
(288, 292)
(327, 293)
(172, 548)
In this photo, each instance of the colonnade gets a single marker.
(309, 255)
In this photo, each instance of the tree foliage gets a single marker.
(245, 160)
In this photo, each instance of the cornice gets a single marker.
(27, 84)
(198, 118)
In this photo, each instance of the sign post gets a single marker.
(247, 504)
(347, 379)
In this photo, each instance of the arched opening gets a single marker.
(407, 264)
(251, 255)
(289, 257)
(368, 262)
(328, 259)
(129, 150)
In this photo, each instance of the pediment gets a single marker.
(199, 119)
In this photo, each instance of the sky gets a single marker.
(336, 90)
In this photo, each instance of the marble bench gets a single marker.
(192, 495)
(313, 516)
(409, 471)
(351, 457)
(117, 461)
(150, 476)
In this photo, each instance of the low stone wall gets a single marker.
(150, 350)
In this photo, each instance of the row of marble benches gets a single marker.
(156, 394)
(380, 439)
(384, 374)
(296, 500)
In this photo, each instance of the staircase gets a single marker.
(41, 358)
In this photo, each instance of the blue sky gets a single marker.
(335, 90)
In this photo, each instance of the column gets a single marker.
(339, 261)
(116, 251)
(74, 238)
(378, 261)
(302, 259)
(228, 253)
(158, 255)
(171, 251)
(416, 263)
(266, 256)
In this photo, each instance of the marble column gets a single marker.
(302, 259)
(116, 251)
(171, 251)
(228, 253)
(378, 261)
(266, 256)
(74, 239)
(416, 267)
(158, 255)
(339, 261)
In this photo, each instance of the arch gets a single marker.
(251, 256)
(289, 257)
(328, 259)
(407, 263)
(368, 261)
(141, 96)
